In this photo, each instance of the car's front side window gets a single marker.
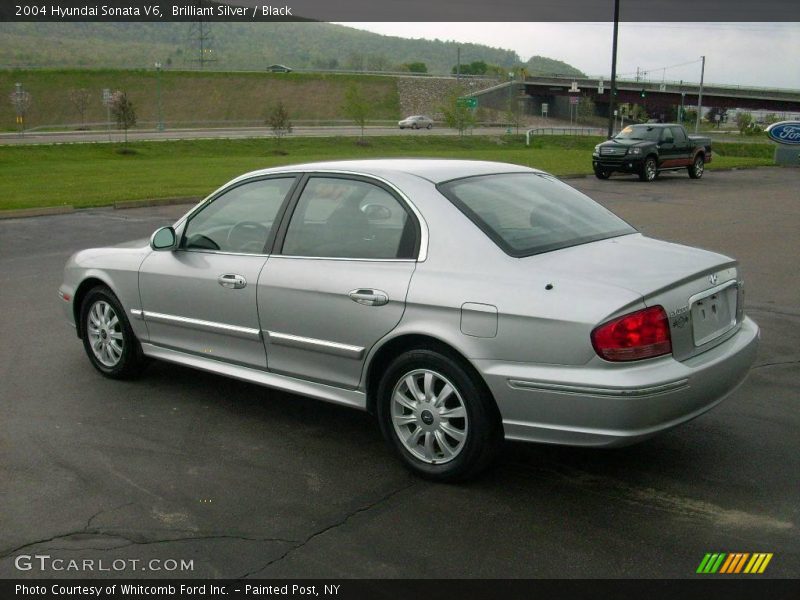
(349, 218)
(240, 220)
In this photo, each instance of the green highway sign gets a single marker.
(467, 102)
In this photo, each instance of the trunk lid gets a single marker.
(700, 290)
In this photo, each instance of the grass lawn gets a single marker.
(84, 175)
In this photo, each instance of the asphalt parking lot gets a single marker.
(245, 481)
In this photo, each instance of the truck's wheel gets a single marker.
(698, 167)
(602, 173)
(649, 169)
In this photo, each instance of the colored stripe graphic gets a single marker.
(734, 562)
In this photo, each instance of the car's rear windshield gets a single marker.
(531, 213)
(639, 132)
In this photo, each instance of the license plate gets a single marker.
(713, 313)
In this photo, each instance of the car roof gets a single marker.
(434, 170)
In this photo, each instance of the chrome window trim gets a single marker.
(316, 345)
(392, 260)
(224, 253)
(423, 224)
(213, 326)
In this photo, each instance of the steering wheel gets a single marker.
(247, 236)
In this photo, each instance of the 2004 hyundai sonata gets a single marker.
(461, 302)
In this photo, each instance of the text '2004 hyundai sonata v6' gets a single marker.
(461, 302)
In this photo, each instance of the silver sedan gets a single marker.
(461, 302)
(416, 122)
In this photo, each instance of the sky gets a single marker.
(752, 54)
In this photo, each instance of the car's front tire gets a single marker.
(430, 125)
(698, 167)
(601, 173)
(108, 338)
(649, 169)
(438, 416)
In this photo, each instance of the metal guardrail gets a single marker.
(576, 131)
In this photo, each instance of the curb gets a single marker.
(157, 202)
(23, 213)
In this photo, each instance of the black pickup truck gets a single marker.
(650, 148)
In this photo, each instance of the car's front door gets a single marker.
(201, 297)
(338, 279)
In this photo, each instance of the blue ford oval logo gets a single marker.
(785, 132)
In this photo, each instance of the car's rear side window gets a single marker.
(531, 213)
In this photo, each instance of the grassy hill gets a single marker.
(239, 46)
(194, 97)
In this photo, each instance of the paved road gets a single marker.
(73, 137)
(250, 482)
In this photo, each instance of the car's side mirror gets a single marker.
(164, 239)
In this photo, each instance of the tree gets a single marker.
(416, 67)
(123, 112)
(377, 62)
(476, 67)
(586, 108)
(689, 115)
(80, 100)
(356, 107)
(744, 120)
(457, 115)
(637, 113)
(771, 118)
(21, 100)
(355, 62)
(711, 115)
(278, 120)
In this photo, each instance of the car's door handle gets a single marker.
(369, 297)
(232, 281)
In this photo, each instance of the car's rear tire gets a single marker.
(108, 338)
(430, 125)
(698, 167)
(649, 169)
(438, 416)
(602, 173)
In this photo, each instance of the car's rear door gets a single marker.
(201, 297)
(667, 152)
(338, 278)
(683, 146)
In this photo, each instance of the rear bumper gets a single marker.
(612, 404)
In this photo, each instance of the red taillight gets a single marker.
(642, 334)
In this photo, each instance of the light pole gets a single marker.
(160, 124)
(510, 100)
(613, 92)
(700, 95)
(107, 103)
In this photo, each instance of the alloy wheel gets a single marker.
(104, 330)
(429, 416)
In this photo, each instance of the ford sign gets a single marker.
(785, 132)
